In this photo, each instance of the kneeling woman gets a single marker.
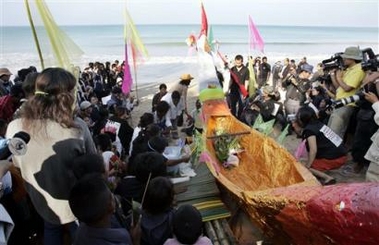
(325, 147)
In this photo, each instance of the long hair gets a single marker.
(54, 99)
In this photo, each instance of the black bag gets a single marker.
(180, 120)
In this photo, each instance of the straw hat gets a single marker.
(5, 71)
(352, 53)
(186, 77)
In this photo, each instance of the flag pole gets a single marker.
(34, 34)
(136, 85)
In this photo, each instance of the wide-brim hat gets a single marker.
(268, 90)
(186, 76)
(5, 71)
(353, 53)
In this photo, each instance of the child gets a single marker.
(195, 121)
(93, 204)
(187, 227)
(157, 212)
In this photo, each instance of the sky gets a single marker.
(353, 13)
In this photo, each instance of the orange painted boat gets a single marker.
(279, 195)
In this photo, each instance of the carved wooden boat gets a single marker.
(282, 197)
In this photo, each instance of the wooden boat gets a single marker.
(282, 197)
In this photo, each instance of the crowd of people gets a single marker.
(85, 162)
(339, 101)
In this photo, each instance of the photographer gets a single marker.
(347, 83)
(297, 88)
(366, 127)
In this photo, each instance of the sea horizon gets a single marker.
(168, 50)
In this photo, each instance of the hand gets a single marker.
(371, 97)
(370, 77)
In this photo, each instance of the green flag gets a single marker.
(283, 135)
(258, 121)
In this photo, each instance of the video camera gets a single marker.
(334, 62)
(370, 61)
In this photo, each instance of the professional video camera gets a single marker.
(370, 61)
(334, 62)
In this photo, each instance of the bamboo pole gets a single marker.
(220, 233)
(211, 233)
(229, 232)
(34, 33)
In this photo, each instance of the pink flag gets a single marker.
(204, 22)
(256, 41)
(127, 81)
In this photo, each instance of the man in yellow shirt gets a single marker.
(347, 83)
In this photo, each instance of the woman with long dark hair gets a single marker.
(325, 147)
(56, 139)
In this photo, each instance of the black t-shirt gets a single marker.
(264, 70)
(242, 74)
(329, 144)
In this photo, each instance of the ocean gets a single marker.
(168, 51)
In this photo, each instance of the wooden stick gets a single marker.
(211, 233)
(227, 135)
(220, 233)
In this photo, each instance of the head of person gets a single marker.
(352, 56)
(268, 92)
(163, 88)
(121, 112)
(117, 92)
(88, 164)
(146, 119)
(305, 115)
(293, 62)
(54, 98)
(317, 90)
(264, 59)
(5, 74)
(303, 60)
(23, 73)
(149, 163)
(238, 60)
(159, 195)
(162, 108)
(306, 71)
(286, 61)
(175, 96)
(157, 144)
(103, 142)
(94, 100)
(185, 79)
(90, 200)
(29, 84)
(86, 108)
(17, 93)
(187, 224)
